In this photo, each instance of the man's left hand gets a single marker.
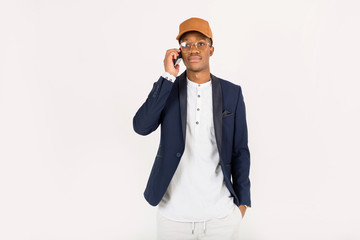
(242, 210)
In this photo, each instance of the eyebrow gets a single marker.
(186, 39)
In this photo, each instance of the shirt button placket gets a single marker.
(198, 106)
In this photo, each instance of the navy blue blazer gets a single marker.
(166, 105)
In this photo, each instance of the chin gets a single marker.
(193, 69)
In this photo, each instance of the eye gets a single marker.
(201, 44)
(185, 45)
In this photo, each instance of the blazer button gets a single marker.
(178, 154)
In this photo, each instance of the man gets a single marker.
(200, 177)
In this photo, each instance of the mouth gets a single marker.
(194, 59)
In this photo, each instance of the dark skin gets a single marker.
(197, 65)
(196, 62)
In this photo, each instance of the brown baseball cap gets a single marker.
(195, 24)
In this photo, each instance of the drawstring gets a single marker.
(193, 226)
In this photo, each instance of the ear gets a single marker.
(212, 50)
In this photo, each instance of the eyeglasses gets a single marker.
(200, 45)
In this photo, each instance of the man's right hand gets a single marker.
(168, 61)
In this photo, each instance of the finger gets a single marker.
(172, 50)
(174, 55)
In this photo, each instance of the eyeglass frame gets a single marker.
(196, 45)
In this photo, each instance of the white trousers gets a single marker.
(226, 228)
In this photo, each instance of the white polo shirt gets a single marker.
(197, 191)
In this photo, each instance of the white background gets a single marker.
(73, 74)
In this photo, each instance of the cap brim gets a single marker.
(190, 30)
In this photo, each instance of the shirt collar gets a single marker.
(197, 85)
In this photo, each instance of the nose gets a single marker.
(193, 48)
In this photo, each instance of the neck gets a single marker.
(198, 77)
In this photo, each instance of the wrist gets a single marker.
(168, 76)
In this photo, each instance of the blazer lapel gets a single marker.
(217, 109)
(183, 102)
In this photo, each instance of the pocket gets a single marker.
(226, 113)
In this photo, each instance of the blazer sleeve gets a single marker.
(241, 154)
(147, 118)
